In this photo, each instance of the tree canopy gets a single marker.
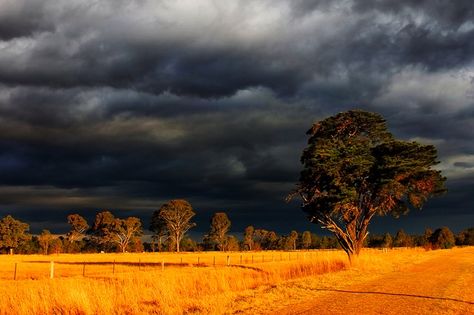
(220, 225)
(177, 215)
(354, 169)
(13, 233)
(111, 231)
(79, 227)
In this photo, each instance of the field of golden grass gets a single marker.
(201, 283)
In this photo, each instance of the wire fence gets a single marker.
(109, 265)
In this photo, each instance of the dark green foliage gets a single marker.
(442, 238)
(115, 233)
(44, 240)
(306, 240)
(158, 227)
(220, 225)
(79, 227)
(248, 238)
(387, 241)
(232, 243)
(402, 239)
(465, 237)
(188, 245)
(13, 233)
(354, 169)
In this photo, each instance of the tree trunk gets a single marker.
(353, 259)
(177, 243)
(353, 254)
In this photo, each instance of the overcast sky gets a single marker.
(123, 105)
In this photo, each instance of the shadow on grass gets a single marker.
(398, 294)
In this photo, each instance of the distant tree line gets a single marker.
(170, 225)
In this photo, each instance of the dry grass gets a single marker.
(181, 288)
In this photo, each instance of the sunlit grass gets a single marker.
(138, 284)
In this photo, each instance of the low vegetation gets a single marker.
(180, 288)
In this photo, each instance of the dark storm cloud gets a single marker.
(21, 19)
(126, 104)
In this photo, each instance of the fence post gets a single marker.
(51, 270)
(198, 260)
(228, 260)
(241, 259)
(263, 258)
(14, 274)
(214, 261)
(163, 265)
(252, 259)
(181, 260)
(113, 267)
(84, 269)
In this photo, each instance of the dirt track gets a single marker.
(441, 285)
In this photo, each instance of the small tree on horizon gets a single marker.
(306, 239)
(292, 238)
(248, 237)
(79, 227)
(44, 240)
(220, 225)
(354, 169)
(158, 227)
(442, 238)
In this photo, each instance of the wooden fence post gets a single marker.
(51, 270)
(113, 267)
(252, 259)
(228, 260)
(214, 261)
(198, 260)
(241, 259)
(163, 265)
(14, 274)
(84, 269)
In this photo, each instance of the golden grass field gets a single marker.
(190, 282)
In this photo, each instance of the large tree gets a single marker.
(13, 233)
(354, 169)
(220, 225)
(177, 215)
(101, 231)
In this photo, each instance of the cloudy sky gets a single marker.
(123, 105)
